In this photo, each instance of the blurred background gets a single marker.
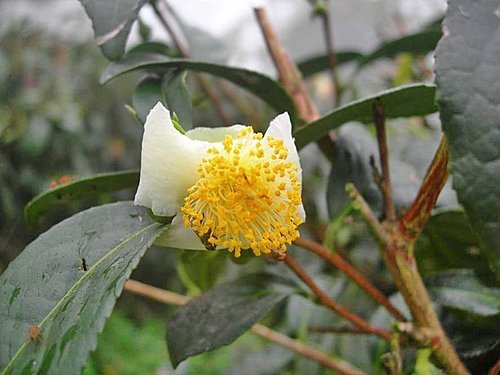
(57, 123)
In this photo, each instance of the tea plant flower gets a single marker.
(229, 188)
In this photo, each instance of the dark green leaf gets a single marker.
(403, 101)
(418, 44)
(203, 267)
(76, 190)
(470, 312)
(112, 21)
(178, 97)
(449, 242)
(260, 85)
(224, 313)
(320, 63)
(146, 94)
(467, 72)
(66, 283)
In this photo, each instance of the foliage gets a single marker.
(58, 293)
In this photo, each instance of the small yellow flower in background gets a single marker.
(229, 188)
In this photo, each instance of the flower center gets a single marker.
(247, 196)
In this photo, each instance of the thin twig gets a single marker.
(324, 14)
(171, 298)
(379, 119)
(360, 204)
(344, 329)
(328, 302)
(162, 13)
(290, 78)
(414, 220)
(343, 265)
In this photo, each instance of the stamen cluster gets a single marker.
(246, 197)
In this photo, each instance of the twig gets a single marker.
(162, 14)
(414, 220)
(326, 301)
(324, 13)
(360, 204)
(290, 78)
(165, 296)
(379, 119)
(338, 365)
(345, 329)
(339, 262)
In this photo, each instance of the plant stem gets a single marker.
(290, 78)
(162, 14)
(385, 183)
(171, 298)
(414, 220)
(345, 329)
(343, 265)
(328, 302)
(396, 241)
(332, 60)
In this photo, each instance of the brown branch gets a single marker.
(379, 119)
(343, 265)
(165, 296)
(338, 365)
(328, 302)
(291, 79)
(345, 329)
(162, 13)
(324, 14)
(414, 220)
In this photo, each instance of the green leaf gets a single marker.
(146, 94)
(66, 283)
(222, 314)
(320, 63)
(448, 242)
(403, 101)
(178, 98)
(112, 21)
(468, 309)
(423, 364)
(203, 267)
(76, 190)
(460, 290)
(260, 85)
(418, 44)
(467, 72)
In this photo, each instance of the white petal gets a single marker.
(281, 128)
(214, 134)
(169, 163)
(179, 237)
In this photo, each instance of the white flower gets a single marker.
(227, 187)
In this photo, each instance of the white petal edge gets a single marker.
(281, 128)
(178, 236)
(169, 163)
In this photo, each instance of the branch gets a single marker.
(339, 262)
(162, 13)
(414, 220)
(326, 301)
(385, 182)
(343, 329)
(290, 78)
(296, 346)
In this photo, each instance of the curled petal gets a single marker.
(169, 163)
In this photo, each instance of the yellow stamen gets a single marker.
(247, 196)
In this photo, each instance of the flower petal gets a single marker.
(281, 128)
(179, 237)
(169, 163)
(214, 134)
